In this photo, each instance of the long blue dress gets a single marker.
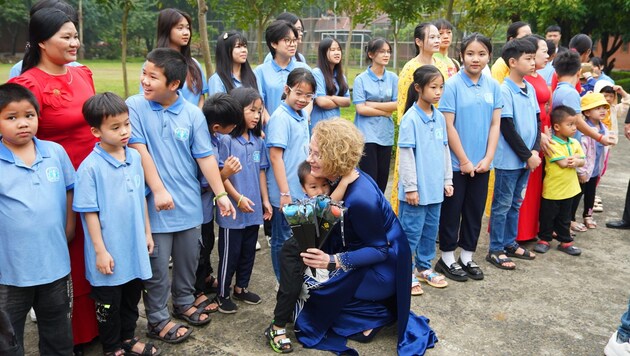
(373, 290)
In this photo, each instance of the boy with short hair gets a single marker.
(517, 154)
(560, 184)
(568, 68)
(35, 227)
(110, 196)
(172, 138)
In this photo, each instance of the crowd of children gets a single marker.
(145, 193)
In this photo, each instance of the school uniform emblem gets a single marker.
(137, 180)
(489, 98)
(182, 134)
(52, 174)
(256, 156)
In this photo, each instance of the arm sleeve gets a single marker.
(137, 131)
(394, 87)
(278, 134)
(321, 83)
(69, 175)
(448, 169)
(514, 139)
(448, 100)
(201, 146)
(358, 93)
(215, 85)
(85, 194)
(407, 170)
(537, 142)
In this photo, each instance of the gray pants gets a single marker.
(183, 246)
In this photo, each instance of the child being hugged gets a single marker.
(425, 172)
(560, 184)
(35, 227)
(248, 192)
(517, 154)
(110, 196)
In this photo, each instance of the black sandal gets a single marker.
(284, 345)
(202, 305)
(147, 351)
(193, 319)
(171, 336)
(526, 255)
(493, 258)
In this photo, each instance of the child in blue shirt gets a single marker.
(425, 172)
(172, 137)
(35, 227)
(517, 154)
(110, 196)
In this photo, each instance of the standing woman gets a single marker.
(61, 91)
(233, 69)
(294, 20)
(528, 214)
(374, 95)
(332, 86)
(174, 31)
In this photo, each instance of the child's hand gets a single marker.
(231, 166)
(104, 262)
(350, 177)
(571, 162)
(467, 168)
(150, 243)
(225, 206)
(534, 160)
(267, 210)
(412, 198)
(483, 166)
(285, 200)
(583, 178)
(449, 190)
(163, 200)
(246, 205)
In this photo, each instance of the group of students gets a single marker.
(150, 169)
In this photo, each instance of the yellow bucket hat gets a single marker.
(593, 100)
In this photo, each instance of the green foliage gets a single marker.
(13, 18)
(625, 83)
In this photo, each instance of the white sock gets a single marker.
(448, 258)
(466, 256)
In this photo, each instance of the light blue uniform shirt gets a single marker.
(116, 191)
(427, 136)
(288, 130)
(318, 113)
(16, 70)
(215, 84)
(522, 108)
(271, 81)
(268, 58)
(207, 195)
(188, 94)
(473, 106)
(33, 245)
(369, 87)
(547, 72)
(252, 154)
(565, 94)
(175, 138)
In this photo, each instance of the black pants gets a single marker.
(52, 305)
(626, 209)
(588, 191)
(237, 252)
(291, 279)
(460, 218)
(204, 268)
(555, 215)
(375, 162)
(116, 312)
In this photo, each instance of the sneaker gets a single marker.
(616, 348)
(226, 305)
(258, 247)
(268, 238)
(541, 247)
(598, 208)
(32, 315)
(247, 297)
(570, 249)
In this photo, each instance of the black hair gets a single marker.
(534, 39)
(13, 93)
(224, 60)
(276, 31)
(551, 47)
(374, 45)
(596, 61)
(553, 28)
(420, 32)
(516, 48)
(475, 37)
(57, 4)
(223, 110)
(421, 77)
(245, 97)
(581, 43)
(44, 24)
(101, 106)
(443, 24)
(304, 169)
(608, 89)
(167, 19)
(172, 62)
(567, 63)
(300, 75)
(292, 19)
(512, 30)
(331, 74)
(560, 113)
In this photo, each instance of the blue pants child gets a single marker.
(421, 223)
(509, 191)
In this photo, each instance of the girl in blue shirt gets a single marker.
(233, 69)
(374, 95)
(332, 86)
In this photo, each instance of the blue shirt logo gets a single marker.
(137, 180)
(182, 134)
(52, 174)
(489, 98)
(256, 156)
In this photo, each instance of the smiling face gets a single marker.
(299, 96)
(180, 34)
(114, 132)
(314, 186)
(314, 159)
(62, 47)
(18, 123)
(154, 84)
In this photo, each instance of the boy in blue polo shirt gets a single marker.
(110, 195)
(172, 138)
(517, 154)
(35, 227)
(568, 68)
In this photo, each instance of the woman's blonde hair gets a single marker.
(340, 145)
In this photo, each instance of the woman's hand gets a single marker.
(316, 258)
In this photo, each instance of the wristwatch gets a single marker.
(332, 265)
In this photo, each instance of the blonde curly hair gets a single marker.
(340, 145)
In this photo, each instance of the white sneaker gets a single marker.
(613, 348)
(268, 238)
(258, 247)
(32, 315)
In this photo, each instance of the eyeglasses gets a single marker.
(290, 41)
(384, 51)
(308, 97)
(316, 155)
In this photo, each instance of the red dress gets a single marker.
(61, 99)
(528, 215)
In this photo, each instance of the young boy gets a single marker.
(172, 138)
(517, 154)
(560, 184)
(568, 68)
(35, 227)
(110, 196)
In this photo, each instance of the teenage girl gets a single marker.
(425, 172)
(233, 69)
(299, 26)
(427, 42)
(471, 105)
(374, 95)
(332, 86)
(174, 31)
(287, 138)
(445, 29)
(518, 29)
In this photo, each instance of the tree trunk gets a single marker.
(123, 59)
(608, 51)
(346, 57)
(449, 11)
(82, 48)
(203, 34)
(259, 39)
(395, 33)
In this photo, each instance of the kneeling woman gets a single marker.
(368, 259)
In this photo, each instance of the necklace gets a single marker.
(71, 77)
